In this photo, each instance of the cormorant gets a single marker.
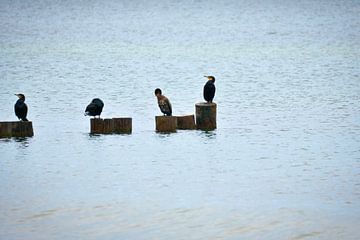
(21, 108)
(209, 89)
(94, 108)
(164, 103)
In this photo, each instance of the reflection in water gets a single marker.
(208, 134)
(164, 135)
(23, 142)
(5, 140)
(95, 136)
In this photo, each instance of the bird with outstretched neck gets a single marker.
(209, 89)
(21, 108)
(94, 108)
(163, 102)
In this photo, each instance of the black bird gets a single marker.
(163, 102)
(94, 108)
(21, 108)
(209, 89)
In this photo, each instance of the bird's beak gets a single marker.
(16, 95)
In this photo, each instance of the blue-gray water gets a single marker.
(284, 162)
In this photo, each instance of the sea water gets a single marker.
(284, 162)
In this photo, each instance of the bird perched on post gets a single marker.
(20, 107)
(94, 108)
(209, 89)
(164, 103)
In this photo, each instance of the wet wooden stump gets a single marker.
(110, 125)
(186, 122)
(96, 125)
(166, 124)
(122, 125)
(205, 116)
(16, 129)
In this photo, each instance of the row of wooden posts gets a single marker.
(205, 120)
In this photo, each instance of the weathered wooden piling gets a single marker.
(96, 125)
(122, 125)
(186, 122)
(205, 116)
(16, 129)
(109, 126)
(166, 123)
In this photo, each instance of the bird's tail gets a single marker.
(25, 119)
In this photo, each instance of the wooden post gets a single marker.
(5, 129)
(186, 122)
(108, 126)
(16, 129)
(96, 125)
(166, 123)
(122, 125)
(205, 116)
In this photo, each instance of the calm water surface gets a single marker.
(284, 162)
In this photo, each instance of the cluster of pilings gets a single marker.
(205, 116)
(205, 120)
